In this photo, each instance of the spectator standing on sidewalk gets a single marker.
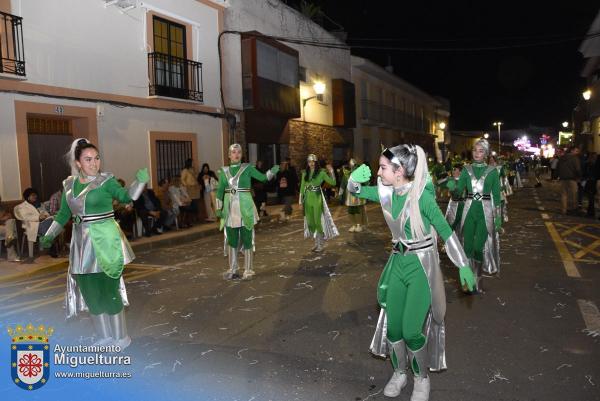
(188, 179)
(569, 173)
(554, 168)
(260, 191)
(590, 180)
(286, 190)
(208, 183)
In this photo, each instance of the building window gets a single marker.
(270, 77)
(171, 74)
(171, 156)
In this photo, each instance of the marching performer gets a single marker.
(356, 206)
(481, 218)
(318, 222)
(99, 249)
(505, 188)
(236, 210)
(411, 288)
(456, 204)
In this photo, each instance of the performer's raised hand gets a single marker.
(275, 169)
(361, 174)
(142, 175)
(466, 277)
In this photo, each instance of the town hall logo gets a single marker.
(30, 355)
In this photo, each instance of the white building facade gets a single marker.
(140, 79)
(391, 111)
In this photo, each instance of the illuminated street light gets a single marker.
(565, 124)
(499, 125)
(442, 125)
(486, 135)
(587, 94)
(319, 88)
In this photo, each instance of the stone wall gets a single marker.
(305, 138)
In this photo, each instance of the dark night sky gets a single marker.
(520, 86)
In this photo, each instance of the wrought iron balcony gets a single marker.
(12, 54)
(175, 77)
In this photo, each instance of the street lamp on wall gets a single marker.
(565, 124)
(442, 125)
(499, 125)
(319, 88)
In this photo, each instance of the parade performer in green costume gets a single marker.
(505, 188)
(99, 249)
(318, 222)
(456, 204)
(356, 206)
(411, 288)
(236, 210)
(481, 218)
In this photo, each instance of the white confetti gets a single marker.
(239, 353)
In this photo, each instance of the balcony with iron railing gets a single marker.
(175, 77)
(12, 54)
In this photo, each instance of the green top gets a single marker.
(491, 185)
(244, 181)
(315, 180)
(98, 200)
(430, 211)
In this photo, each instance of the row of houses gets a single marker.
(156, 82)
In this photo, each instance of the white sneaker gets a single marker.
(352, 229)
(248, 274)
(421, 389)
(359, 228)
(395, 385)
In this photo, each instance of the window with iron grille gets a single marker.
(171, 157)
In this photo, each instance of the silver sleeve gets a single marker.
(54, 230)
(219, 204)
(270, 175)
(353, 187)
(455, 251)
(135, 189)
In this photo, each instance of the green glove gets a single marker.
(275, 169)
(46, 241)
(219, 213)
(498, 222)
(362, 174)
(142, 175)
(466, 277)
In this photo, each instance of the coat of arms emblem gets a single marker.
(30, 355)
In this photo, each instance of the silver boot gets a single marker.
(248, 268)
(102, 327)
(398, 380)
(419, 363)
(119, 329)
(233, 264)
(320, 243)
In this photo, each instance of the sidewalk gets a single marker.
(10, 271)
